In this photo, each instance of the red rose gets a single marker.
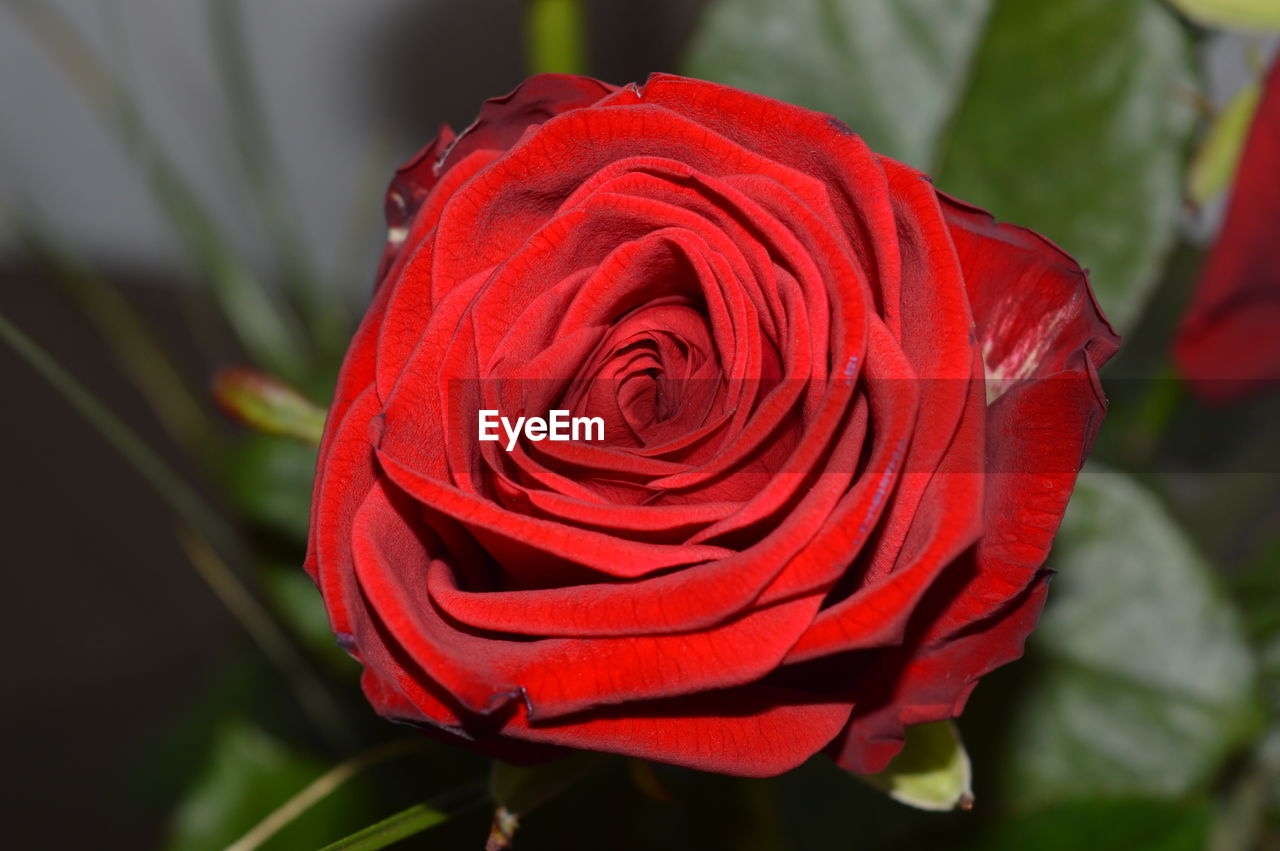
(816, 516)
(1227, 346)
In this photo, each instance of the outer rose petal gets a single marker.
(503, 120)
(922, 682)
(1227, 346)
(412, 183)
(1045, 338)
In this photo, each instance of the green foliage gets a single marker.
(1075, 124)
(1245, 14)
(1147, 682)
(1069, 117)
(932, 772)
(295, 600)
(249, 774)
(892, 69)
(269, 478)
(1116, 825)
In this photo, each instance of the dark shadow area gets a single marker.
(110, 633)
(436, 61)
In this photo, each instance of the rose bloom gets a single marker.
(844, 413)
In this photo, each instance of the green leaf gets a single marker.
(1217, 157)
(270, 478)
(932, 772)
(1070, 117)
(296, 601)
(1075, 123)
(1101, 826)
(412, 820)
(891, 69)
(250, 774)
(1245, 14)
(1148, 681)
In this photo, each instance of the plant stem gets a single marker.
(185, 501)
(313, 696)
(213, 530)
(555, 36)
(413, 820)
(322, 787)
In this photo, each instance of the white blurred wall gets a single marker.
(320, 64)
(326, 68)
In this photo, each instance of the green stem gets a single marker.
(322, 787)
(413, 820)
(555, 36)
(185, 501)
(314, 698)
(213, 530)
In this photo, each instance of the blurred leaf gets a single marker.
(296, 600)
(932, 772)
(310, 690)
(248, 776)
(269, 478)
(412, 820)
(1148, 681)
(1245, 14)
(1075, 124)
(322, 788)
(266, 403)
(554, 36)
(1121, 825)
(1215, 161)
(1070, 117)
(893, 70)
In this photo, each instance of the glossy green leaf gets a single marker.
(1147, 681)
(1120, 825)
(1070, 117)
(1075, 124)
(932, 772)
(249, 774)
(1244, 14)
(892, 70)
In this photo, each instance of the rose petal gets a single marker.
(1227, 346)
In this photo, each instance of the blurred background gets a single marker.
(191, 184)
